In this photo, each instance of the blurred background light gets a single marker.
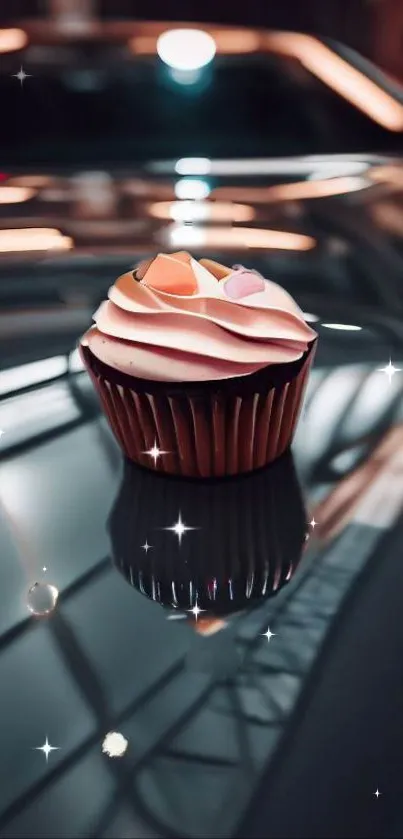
(314, 189)
(201, 211)
(349, 82)
(33, 239)
(186, 77)
(239, 237)
(299, 167)
(187, 236)
(228, 41)
(16, 194)
(192, 188)
(339, 169)
(237, 41)
(193, 166)
(34, 181)
(12, 40)
(186, 49)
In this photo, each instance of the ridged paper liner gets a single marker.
(206, 432)
(245, 540)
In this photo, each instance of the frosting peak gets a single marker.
(177, 319)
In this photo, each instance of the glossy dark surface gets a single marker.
(243, 550)
(228, 734)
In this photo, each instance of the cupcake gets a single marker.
(200, 368)
(242, 542)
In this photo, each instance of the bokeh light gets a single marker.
(192, 189)
(186, 49)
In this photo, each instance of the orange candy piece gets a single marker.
(219, 271)
(171, 273)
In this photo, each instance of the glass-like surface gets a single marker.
(204, 701)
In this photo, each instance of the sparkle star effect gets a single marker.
(179, 528)
(155, 452)
(196, 611)
(268, 634)
(389, 370)
(313, 523)
(21, 76)
(377, 793)
(146, 547)
(47, 749)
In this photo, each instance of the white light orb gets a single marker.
(192, 189)
(193, 166)
(186, 49)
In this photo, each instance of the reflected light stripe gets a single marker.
(36, 372)
(316, 189)
(295, 166)
(16, 194)
(12, 39)
(239, 237)
(341, 77)
(299, 190)
(344, 327)
(193, 166)
(228, 42)
(201, 211)
(33, 239)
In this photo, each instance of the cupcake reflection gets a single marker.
(238, 542)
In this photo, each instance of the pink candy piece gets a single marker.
(242, 283)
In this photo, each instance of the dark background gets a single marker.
(373, 27)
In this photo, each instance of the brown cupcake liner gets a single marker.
(206, 431)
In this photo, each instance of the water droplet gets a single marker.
(42, 598)
(114, 744)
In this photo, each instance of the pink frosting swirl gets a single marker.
(196, 321)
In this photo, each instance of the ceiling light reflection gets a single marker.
(12, 40)
(201, 211)
(16, 194)
(186, 49)
(187, 236)
(193, 166)
(229, 41)
(237, 41)
(317, 188)
(299, 167)
(239, 237)
(143, 44)
(298, 190)
(34, 181)
(192, 188)
(340, 76)
(33, 239)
